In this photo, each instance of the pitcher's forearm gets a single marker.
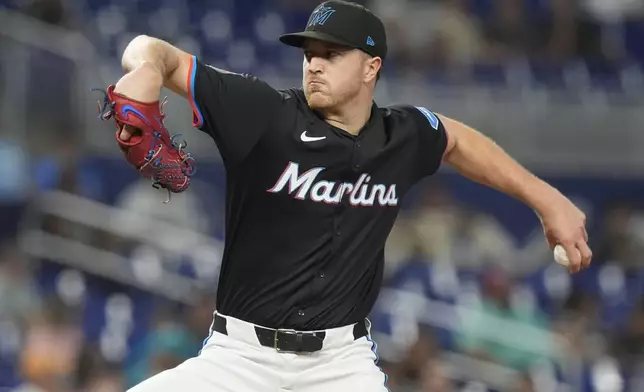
(478, 158)
(150, 64)
(147, 62)
(143, 83)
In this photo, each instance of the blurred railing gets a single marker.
(143, 269)
(577, 132)
(23, 39)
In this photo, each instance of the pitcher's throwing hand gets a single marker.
(565, 224)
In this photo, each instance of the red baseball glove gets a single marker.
(152, 151)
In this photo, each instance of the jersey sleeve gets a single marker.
(234, 109)
(432, 140)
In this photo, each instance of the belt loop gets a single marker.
(360, 329)
(220, 324)
(298, 339)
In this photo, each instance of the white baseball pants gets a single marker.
(236, 362)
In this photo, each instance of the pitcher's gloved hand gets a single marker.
(150, 148)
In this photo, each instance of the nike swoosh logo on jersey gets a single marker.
(305, 138)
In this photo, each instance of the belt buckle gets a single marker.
(285, 332)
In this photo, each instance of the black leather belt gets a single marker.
(290, 341)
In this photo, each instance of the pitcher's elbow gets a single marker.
(136, 52)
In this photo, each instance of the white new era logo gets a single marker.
(305, 138)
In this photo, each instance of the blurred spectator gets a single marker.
(409, 35)
(14, 186)
(14, 173)
(95, 374)
(434, 377)
(569, 35)
(434, 219)
(53, 96)
(456, 39)
(578, 324)
(561, 34)
(620, 238)
(53, 12)
(52, 347)
(421, 367)
(61, 168)
(174, 337)
(524, 383)
(109, 380)
(403, 245)
(440, 36)
(628, 346)
(65, 169)
(19, 299)
(448, 231)
(496, 331)
(508, 33)
(558, 35)
(608, 12)
(200, 315)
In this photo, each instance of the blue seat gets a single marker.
(605, 76)
(633, 37)
(489, 74)
(550, 76)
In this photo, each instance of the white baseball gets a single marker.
(561, 257)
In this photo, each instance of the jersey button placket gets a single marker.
(336, 232)
(336, 223)
(357, 155)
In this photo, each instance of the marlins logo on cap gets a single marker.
(343, 23)
(320, 15)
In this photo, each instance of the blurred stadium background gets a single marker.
(102, 286)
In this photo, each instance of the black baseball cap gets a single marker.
(343, 23)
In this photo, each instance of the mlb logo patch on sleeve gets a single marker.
(431, 117)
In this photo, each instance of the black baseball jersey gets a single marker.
(308, 205)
